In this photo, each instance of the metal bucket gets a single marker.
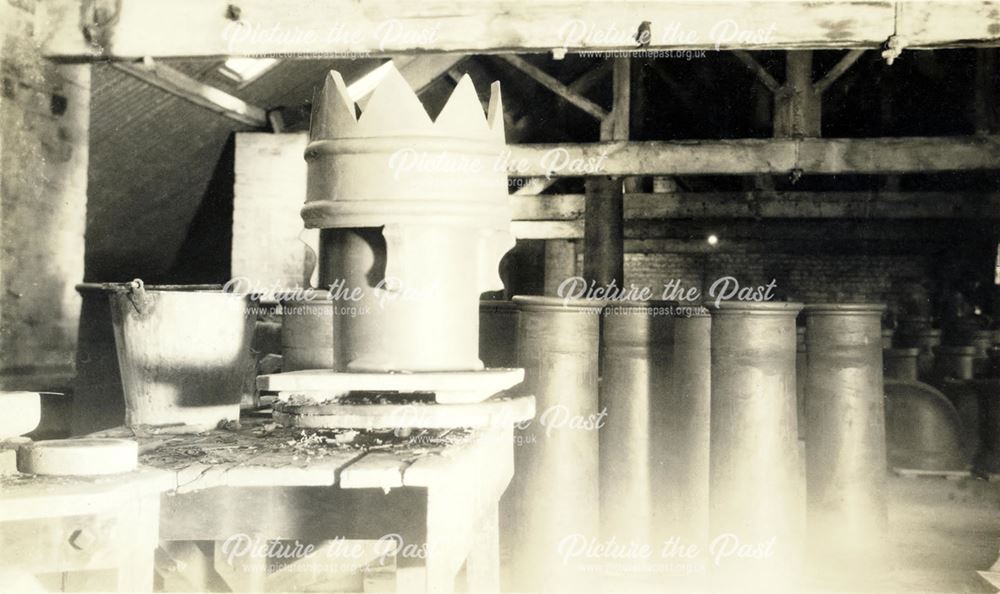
(307, 330)
(98, 400)
(183, 354)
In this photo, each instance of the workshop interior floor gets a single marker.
(941, 532)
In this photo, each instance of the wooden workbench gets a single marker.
(437, 490)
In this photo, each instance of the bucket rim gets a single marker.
(120, 286)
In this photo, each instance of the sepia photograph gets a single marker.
(500, 296)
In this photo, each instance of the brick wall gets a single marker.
(44, 117)
(802, 277)
(269, 240)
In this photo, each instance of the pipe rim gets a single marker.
(969, 351)
(778, 308)
(502, 305)
(844, 308)
(549, 303)
(901, 352)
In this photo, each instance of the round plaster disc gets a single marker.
(78, 457)
(20, 413)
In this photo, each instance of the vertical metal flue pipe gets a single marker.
(801, 361)
(845, 444)
(900, 364)
(680, 433)
(637, 345)
(756, 491)
(552, 502)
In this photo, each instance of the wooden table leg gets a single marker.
(139, 524)
(482, 568)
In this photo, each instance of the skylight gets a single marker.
(244, 70)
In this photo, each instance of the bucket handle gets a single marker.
(136, 292)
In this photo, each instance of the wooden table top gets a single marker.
(261, 453)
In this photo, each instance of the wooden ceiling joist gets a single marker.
(779, 156)
(131, 29)
(181, 85)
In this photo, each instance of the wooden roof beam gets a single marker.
(131, 29)
(752, 156)
(181, 85)
(770, 204)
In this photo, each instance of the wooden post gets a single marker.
(560, 263)
(797, 107)
(603, 231)
(603, 235)
(985, 90)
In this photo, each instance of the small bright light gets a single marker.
(712, 239)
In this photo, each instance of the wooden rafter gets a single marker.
(553, 84)
(762, 74)
(837, 71)
(181, 85)
(591, 77)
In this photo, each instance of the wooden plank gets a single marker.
(753, 156)
(553, 84)
(385, 27)
(26, 497)
(750, 156)
(771, 204)
(181, 85)
(547, 229)
(448, 387)
(375, 470)
(553, 207)
(490, 413)
(281, 469)
(304, 513)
